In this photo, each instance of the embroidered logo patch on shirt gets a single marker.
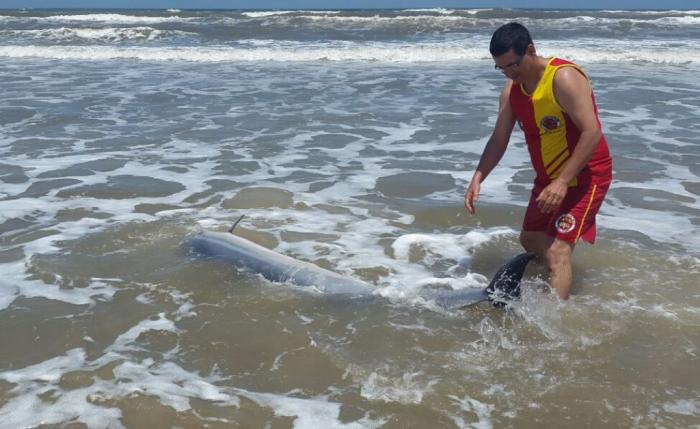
(550, 123)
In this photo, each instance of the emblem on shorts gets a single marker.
(550, 123)
(565, 223)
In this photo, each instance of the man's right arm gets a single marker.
(494, 150)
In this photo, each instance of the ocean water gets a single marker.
(347, 138)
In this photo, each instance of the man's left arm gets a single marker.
(573, 93)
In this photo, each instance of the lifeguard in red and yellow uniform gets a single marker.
(552, 101)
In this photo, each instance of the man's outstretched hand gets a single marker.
(471, 196)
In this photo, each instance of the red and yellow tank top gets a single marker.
(551, 135)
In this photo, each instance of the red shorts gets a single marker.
(575, 217)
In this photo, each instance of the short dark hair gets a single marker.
(510, 36)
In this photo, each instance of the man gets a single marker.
(553, 102)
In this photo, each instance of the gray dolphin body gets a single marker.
(272, 265)
(280, 268)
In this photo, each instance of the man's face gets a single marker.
(511, 65)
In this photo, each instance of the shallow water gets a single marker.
(110, 162)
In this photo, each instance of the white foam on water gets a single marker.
(409, 278)
(172, 384)
(439, 10)
(663, 311)
(444, 246)
(380, 21)
(680, 20)
(468, 281)
(440, 20)
(493, 336)
(27, 409)
(16, 283)
(601, 21)
(544, 311)
(385, 385)
(469, 405)
(355, 52)
(269, 13)
(409, 388)
(49, 371)
(105, 35)
(266, 14)
(113, 18)
(43, 210)
(413, 327)
(311, 413)
(619, 53)
(674, 229)
(685, 407)
(660, 12)
(8, 293)
(398, 54)
(124, 340)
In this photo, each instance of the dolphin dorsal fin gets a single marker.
(235, 224)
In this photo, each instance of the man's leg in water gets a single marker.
(556, 254)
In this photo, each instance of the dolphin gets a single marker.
(272, 265)
(276, 267)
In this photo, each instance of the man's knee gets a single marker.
(529, 241)
(535, 241)
(558, 253)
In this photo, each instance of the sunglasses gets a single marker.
(512, 65)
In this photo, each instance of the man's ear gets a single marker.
(530, 50)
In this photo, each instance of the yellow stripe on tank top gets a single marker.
(552, 142)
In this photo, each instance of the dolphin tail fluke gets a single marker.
(505, 284)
